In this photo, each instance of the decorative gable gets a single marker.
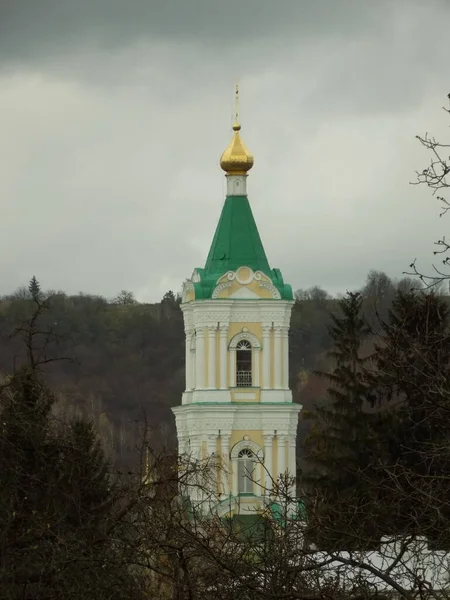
(245, 284)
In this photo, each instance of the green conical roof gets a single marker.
(236, 243)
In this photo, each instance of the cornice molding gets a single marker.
(201, 420)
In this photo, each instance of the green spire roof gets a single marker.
(236, 243)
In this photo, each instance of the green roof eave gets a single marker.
(236, 243)
(208, 281)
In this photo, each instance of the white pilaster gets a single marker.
(225, 473)
(195, 456)
(255, 367)
(234, 484)
(211, 449)
(266, 356)
(188, 361)
(236, 185)
(223, 334)
(232, 368)
(212, 357)
(183, 445)
(193, 362)
(292, 464)
(285, 358)
(196, 449)
(211, 444)
(281, 456)
(268, 464)
(277, 358)
(200, 359)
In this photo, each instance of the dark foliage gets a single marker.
(122, 360)
(412, 381)
(379, 450)
(339, 444)
(58, 501)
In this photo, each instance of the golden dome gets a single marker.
(237, 159)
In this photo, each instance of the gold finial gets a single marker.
(236, 160)
(236, 126)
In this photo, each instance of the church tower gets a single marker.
(237, 406)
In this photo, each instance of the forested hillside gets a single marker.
(123, 361)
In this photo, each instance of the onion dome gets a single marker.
(237, 159)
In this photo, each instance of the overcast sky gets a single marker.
(113, 116)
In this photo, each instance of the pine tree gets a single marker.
(385, 472)
(339, 445)
(86, 475)
(35, 289)
(57, 500)
(412, 381)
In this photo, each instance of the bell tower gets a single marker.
(237, 405)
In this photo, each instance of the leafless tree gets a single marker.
(436, 177)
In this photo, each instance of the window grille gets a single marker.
(244, 364)
(246, 469)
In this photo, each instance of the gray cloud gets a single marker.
(113, 116)
(29, 29)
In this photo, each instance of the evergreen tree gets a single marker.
(86, 475)
(339, 445)
(412, 383)
(385, 470)
(57, 500)
(35, 289)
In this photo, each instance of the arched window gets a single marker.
(244, 364)
(246, 468)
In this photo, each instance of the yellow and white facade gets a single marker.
(237, 405)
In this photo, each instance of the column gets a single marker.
(277, 358)
(195, 457)
(212, 358)
(281, 442)
(225, 465)
(292, 465)
(200, 359)
(269, 475)
(211, 449)
(188, 361)
(211, 444)
(266, 356)
(183, 464)
(286, 358)
(183, 445)
(234, 484)
(255, 367)
(232, 354)
(223, 333)
(193, 368)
